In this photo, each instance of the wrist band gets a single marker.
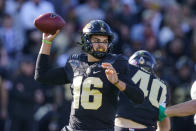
(162, 114)
(116, 82)
(47, 42)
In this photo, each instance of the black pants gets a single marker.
(67, 128)
(132, 129)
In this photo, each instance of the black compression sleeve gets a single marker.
(47, 75)
(134, 94)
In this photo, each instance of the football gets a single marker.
(49, 23)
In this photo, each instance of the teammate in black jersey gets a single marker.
(96, 78)
(143, 117)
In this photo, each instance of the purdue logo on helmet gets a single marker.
(96, 27)
(143, 59)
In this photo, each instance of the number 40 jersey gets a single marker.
(155, 93)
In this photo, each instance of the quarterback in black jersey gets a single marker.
(95, 76)
(143, 117)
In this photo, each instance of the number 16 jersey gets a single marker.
(94, 97)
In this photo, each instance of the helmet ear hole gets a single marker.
(86, 44)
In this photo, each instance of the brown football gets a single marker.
(49, 23)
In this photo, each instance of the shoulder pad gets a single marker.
(110, 58)
(74, 57)
(123, 57)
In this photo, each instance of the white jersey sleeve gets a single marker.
(193, 91)
(193, 96)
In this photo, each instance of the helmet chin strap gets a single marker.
(98, 54)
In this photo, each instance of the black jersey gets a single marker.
(155, 92)
(94, 97)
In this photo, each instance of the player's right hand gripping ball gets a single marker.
(49, 23)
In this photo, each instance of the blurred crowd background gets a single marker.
(166, 28)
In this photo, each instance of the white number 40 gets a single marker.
(153, 92)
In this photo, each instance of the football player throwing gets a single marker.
(96, 76)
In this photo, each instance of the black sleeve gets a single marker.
(133, 93)
(46, 75)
